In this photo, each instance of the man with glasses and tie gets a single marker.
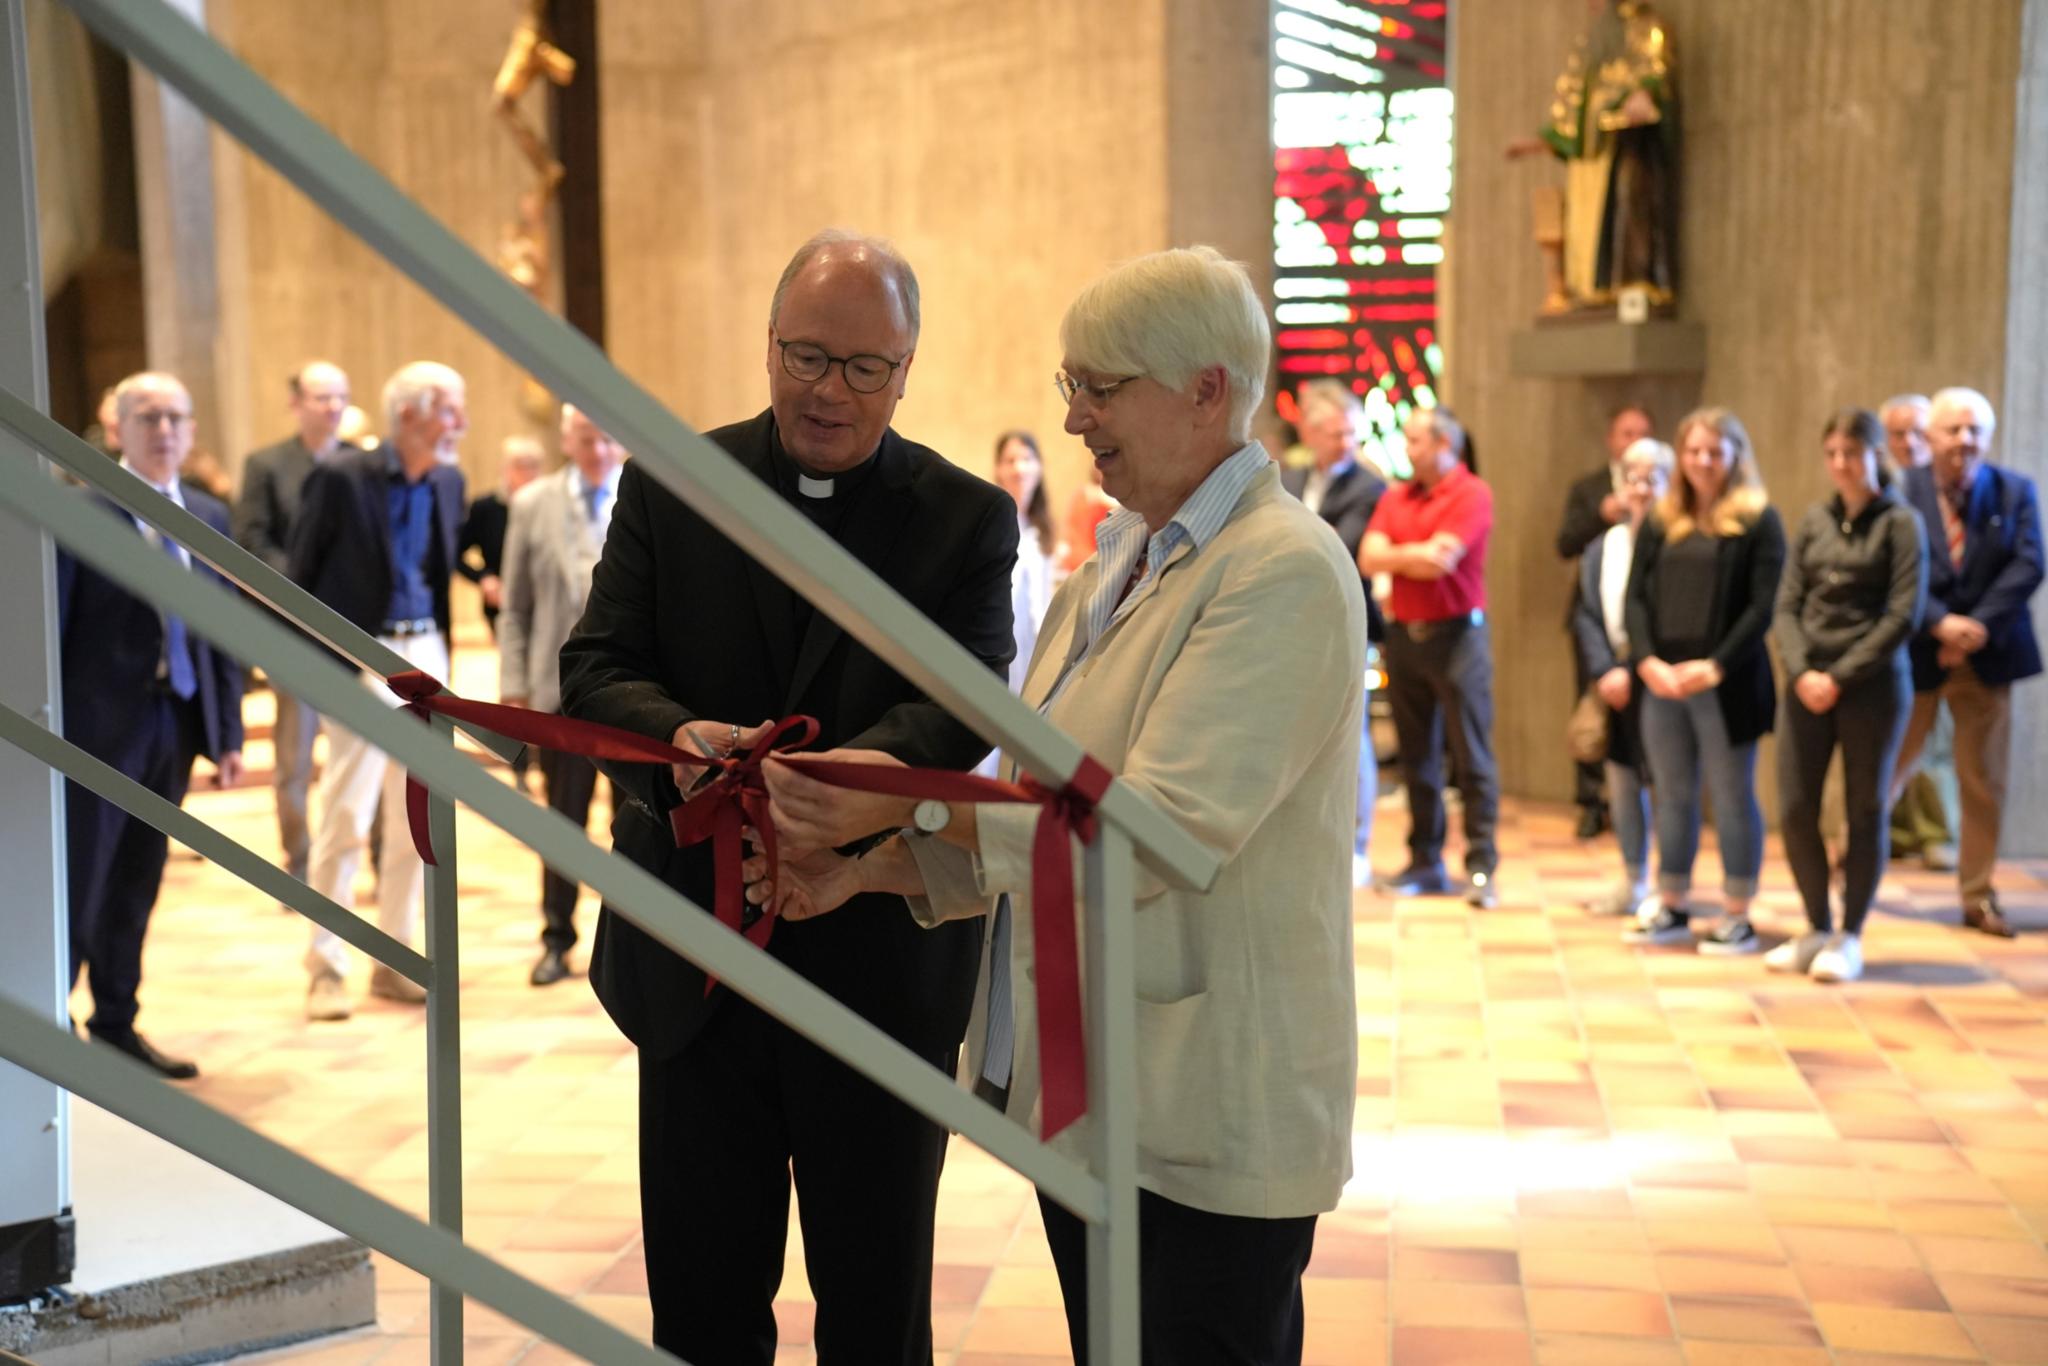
(553, 538)
(144, 695)
(688, 639)
(1983, 527)
(375, 540)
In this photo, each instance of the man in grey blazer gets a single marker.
(272, 481)
(553, 539)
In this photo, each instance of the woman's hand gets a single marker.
(1660, 678)
(1697, 676)
(1614, 687)
(1817, 691)
(810, 814)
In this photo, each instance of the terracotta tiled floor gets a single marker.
(1567, 1150)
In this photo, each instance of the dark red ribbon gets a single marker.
(1063, 814)
(736, 797)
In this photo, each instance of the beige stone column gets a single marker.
(2023, 419)
(185, 224)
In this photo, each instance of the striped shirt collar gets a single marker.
(1122, 534)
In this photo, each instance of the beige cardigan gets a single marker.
(1231, 696)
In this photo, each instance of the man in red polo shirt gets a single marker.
(1429, 535)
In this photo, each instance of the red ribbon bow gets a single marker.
(736, 796)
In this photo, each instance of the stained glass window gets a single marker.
(1361, 188)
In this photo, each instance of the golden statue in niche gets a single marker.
(1614, 124)
(524, 247)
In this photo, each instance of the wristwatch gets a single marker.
(932, 816)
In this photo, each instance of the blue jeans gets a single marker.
(1687, 743)
(1628, 809)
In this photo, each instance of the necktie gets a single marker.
(593, 500)
(1952, 523)
(178, 671)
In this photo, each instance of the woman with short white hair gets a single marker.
(1600, 626)
(1163, 657)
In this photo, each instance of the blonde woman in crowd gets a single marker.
(1699, 606)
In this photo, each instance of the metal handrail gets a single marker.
(243, 568)
(95, 535)
(727, 496)
(195, 834)
(110, 1081)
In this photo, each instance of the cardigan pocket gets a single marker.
(1181, 1106)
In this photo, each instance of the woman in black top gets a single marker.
(1854, 587)
(1699, 606)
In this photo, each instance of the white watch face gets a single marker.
(931, 815)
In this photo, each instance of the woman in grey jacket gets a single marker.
(1854, 586)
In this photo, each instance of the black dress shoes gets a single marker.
(1592, 821)
(146, 1053)
(1414, 881)
(1983, 914)
(551, 968)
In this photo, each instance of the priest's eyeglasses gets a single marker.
(1098, 394)
(809, 362)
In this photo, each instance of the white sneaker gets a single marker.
(1841, 960)
(1796, 954)
(1620, 899)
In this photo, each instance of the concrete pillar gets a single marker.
(35, 1194)
(2023, 419)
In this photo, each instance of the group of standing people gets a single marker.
(1903, 591)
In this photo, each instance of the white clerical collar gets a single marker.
(813, 488)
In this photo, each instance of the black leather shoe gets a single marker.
(1592, 821)
(1414, 881)
(551, 968)
(1984, 915)
(144, 1052)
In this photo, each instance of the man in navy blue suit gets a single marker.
(145, 696)
(375, 540)
(1984, 562)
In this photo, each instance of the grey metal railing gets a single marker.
(755, 519)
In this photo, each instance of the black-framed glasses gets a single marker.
(151, 417)
(1098, 393)
(809, 362)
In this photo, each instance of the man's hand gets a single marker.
(493, 589)
(1660, 678)
(1613, 509)
(1966, 634)
(1614, 687)
(1818, 691)
(814, 815)
(1948, 656)
(227, 772)
(1697, 676)
(519, 702)
(713, 738)
(819, 882)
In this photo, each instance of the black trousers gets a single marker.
(724, 1126)
(1589, 781)
(1441, 687)
(571, 779)
(1868, 722)
(1214, 1289)
(115, 861)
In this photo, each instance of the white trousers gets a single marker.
(355, 774)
